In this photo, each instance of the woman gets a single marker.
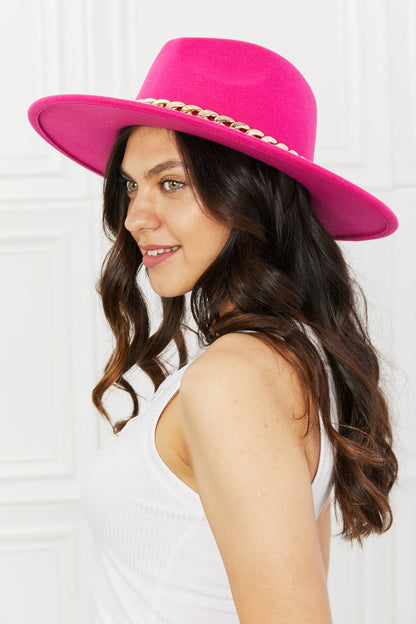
(213, 505)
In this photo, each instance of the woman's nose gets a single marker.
(141, 214)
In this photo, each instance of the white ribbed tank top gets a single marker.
(156, 560)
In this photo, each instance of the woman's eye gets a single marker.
(171, 185)
(131, 186)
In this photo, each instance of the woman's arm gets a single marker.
(244, 431)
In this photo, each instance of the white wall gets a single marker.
(360, 58)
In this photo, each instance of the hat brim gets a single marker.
(84, 128)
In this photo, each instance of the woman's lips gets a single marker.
(150, 261)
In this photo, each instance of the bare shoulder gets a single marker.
(235, 354)
(235, 345)
(241, 367)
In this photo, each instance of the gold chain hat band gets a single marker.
(197, 111)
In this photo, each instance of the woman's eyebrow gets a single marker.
(157, 169)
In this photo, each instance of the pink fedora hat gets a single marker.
(238, 94)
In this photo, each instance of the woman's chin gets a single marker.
(169, 290)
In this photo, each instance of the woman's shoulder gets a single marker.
(232, 354)
(243, 366)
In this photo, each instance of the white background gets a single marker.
(360, 59)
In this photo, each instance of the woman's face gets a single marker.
(177, 238)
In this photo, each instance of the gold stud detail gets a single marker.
(223, 119)
(161, 103)
(239, 125)
(191, 109)
(175, 105)
(207, 114)
(256, 133)
(269, 139)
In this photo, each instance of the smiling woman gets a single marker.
(213, 505)
(177, 238)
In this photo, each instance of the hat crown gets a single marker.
(244, 81)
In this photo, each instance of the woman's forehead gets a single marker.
(148, 147)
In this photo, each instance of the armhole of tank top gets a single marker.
(174, 484)
(323, 479)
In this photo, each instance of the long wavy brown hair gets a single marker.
(282, 272)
